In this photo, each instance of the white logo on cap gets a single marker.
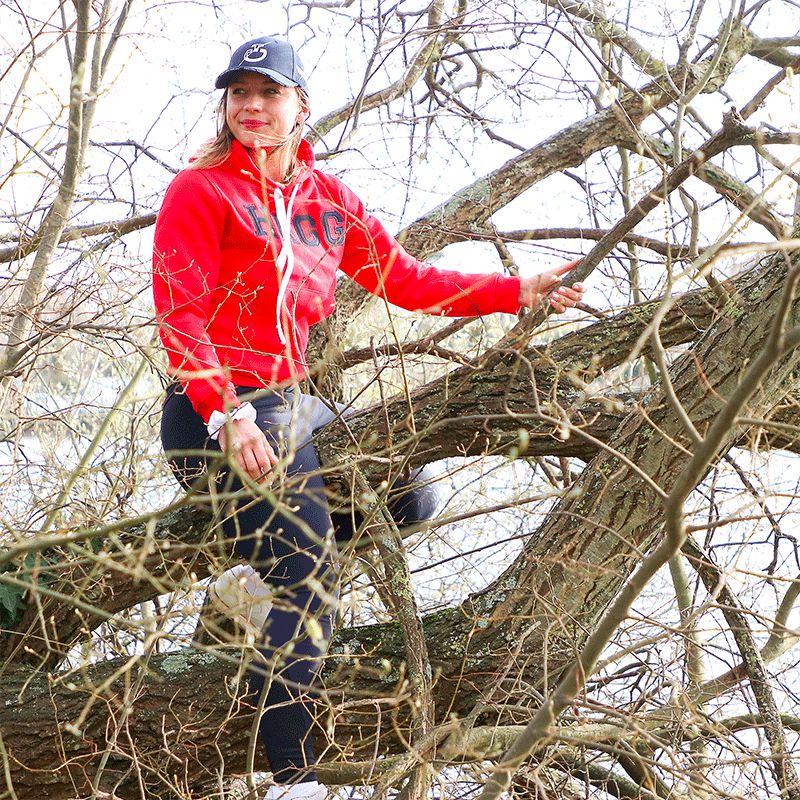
(258, 52)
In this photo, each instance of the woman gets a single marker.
(247, 245)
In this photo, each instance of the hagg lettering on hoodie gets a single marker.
(242, 267)
(305, 228)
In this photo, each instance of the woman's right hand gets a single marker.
(245, 443)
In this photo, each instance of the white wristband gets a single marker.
(218, 419)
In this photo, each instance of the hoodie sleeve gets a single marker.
(186, 260)
(380, 264)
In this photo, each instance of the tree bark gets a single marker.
(461, 414)
(540, 609)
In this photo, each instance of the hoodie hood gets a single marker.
(242, 163)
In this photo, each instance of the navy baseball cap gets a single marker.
(268, 56)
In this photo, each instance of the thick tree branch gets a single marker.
(771, 360)
(775, 51)
(121, 227)
(606, 30)
(471, 207)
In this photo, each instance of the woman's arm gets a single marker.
(381, 265)
(186, 261)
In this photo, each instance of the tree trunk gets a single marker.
(527, 624)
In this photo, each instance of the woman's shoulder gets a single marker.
(194, 184)
(322, 178)
(192, 195)
(193, 178)
(336, 189)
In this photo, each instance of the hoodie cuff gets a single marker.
(220, 419)
(506, 294)
(206, 398)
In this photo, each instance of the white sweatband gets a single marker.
(218, 419)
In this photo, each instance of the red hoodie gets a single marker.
(223, 265)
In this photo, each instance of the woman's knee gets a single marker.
(418, 502)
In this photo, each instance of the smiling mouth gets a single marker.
(252, 124)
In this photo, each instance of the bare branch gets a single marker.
(118, 228)
(785, 774)
(366, 102)
(774, 51)
(605, 30)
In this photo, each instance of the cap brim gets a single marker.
(226, 77)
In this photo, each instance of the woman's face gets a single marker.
(260, 112)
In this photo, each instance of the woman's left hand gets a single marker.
(534, 290)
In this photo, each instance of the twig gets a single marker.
(398, 584)
(785, 774)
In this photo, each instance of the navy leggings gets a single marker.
(292, 544)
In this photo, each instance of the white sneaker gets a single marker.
(238, 789)
(241, 594)
(309, 790)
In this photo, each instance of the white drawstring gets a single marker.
(285, 260)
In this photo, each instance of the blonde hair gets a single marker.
(213, 153)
